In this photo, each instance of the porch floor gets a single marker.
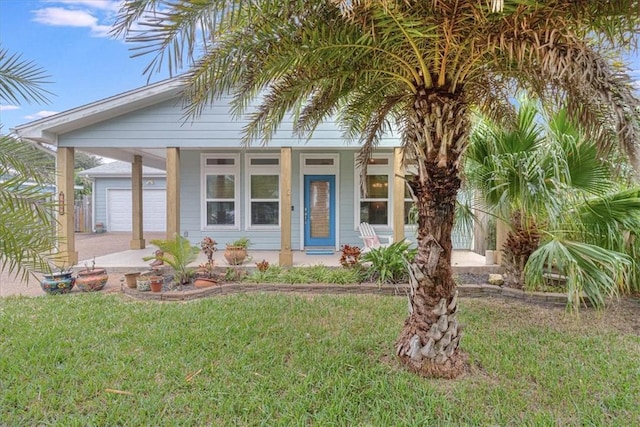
(131, 260)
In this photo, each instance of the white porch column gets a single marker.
(286, 256)
(137, 240)
(173, 192)
(65, 157)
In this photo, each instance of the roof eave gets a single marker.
(46, 130)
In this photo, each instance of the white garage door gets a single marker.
(154, 211)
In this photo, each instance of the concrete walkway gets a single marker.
(111, 251)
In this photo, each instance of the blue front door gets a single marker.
(319, 210)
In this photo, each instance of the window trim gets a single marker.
(261, 170)
(376, 170)
(219, 170)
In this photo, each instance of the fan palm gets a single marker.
(27, 227)
(415, 67)
(531, 175)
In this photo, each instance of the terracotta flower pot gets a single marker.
(92, 280)
(130, 278)
(156, 282)
(235, 255)
(204, 282)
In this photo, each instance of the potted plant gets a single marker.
(205, 275)
(143, 282)
(130, 279)
(177, 253)
(236, 252)
(91, 278)
(58, 281)
(155, 283)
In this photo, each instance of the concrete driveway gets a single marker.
(88, 245)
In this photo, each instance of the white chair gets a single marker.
(370, 239)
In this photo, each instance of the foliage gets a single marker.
(561, 200)
(178, 253)
(26, 207)
(389, 264)
(306, 275)
(208, 246)
(262, 265)
(269, 275)
(234, 274)
(594, 270)
(21, 80)
(206, 270)
(350, 256)
(242, 242)
(293, 360)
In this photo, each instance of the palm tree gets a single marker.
(415, 67)
(26, 225)
(564, 207)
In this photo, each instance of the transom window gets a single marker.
(220, 191)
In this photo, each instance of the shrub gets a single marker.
(388, 264)
(178, 253)
(350, 256)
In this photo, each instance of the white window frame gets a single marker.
(219, 170)
(261, 170)
(376, 170)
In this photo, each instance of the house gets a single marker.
(294, 194)
(111, 198)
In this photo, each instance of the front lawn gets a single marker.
(264, 359)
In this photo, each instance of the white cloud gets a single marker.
(60, 17)
(112, 5)
(97, 15)
(9, 107)
(40, 115)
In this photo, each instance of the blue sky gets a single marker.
(68, 38)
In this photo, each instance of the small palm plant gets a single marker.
(389, 264)
(177, 253)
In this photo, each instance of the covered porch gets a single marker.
(131, 261)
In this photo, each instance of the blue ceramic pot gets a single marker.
(58, 283)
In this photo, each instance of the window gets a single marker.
(264, 191)
(375, 202)
(374, 206)
(220, 191)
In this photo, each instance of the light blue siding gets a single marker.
(163, 125)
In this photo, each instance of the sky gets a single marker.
(69, 40)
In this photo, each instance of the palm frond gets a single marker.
(27, 224)
(597, 272)
(21, 80)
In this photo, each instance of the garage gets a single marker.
(119, 210)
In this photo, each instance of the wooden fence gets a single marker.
(82, 215)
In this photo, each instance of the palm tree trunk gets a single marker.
(428, 343)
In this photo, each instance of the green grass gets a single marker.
(264, 359)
